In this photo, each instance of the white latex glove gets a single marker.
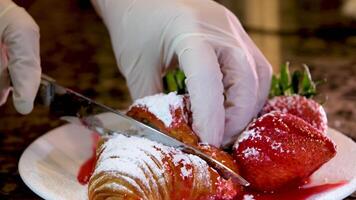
(212, 49)
(20, 59)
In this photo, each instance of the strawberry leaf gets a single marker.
(296, 77)
(307, 84)
(180, 80)
(300, 82)
(284, 79)
(275, 90)
(169, 82)
(173, 81)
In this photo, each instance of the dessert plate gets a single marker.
(49, 166)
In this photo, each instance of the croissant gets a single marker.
(168, 113)
(137, 168)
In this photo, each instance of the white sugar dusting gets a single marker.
(277, 146)
(139, 160)
(296, 105)
(115, 186)
(184, 161)
(251, 152)
(201, 171)
(186, 172)
(248, 197)
(161, 105)
(247, 134)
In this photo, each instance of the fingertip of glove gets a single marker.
(23, 107)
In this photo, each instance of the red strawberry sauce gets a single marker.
(87, 168)
(294, 193)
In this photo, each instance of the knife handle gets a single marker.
(46, 91)
(60, 100)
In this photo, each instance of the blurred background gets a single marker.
(76, 50)
(319, 33)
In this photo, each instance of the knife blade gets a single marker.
(76, 108)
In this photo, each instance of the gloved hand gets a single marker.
(228, 78)
(20, 59)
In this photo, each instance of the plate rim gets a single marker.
(21, 160)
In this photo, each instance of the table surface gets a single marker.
(79, 56)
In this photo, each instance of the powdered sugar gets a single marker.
(277, 146)
(183, 161)
(251, 152)
(307, 109)
(248, 197)
(143, 163)
(247, 134)
(186, 161)
(161, 105)
(115, 186)
(185, 172)
(201, 171)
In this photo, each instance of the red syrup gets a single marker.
(87, 168)
(295, 193)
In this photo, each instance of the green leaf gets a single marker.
(307, 84)
(299, 82)
(174, 80)
(275, 89)
(180, 80)
(296, 78)
(284, 79)
(171, 84)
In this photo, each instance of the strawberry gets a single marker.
(280, 149)
(307, 109)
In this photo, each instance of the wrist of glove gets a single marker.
(20, 69)
(228, 78)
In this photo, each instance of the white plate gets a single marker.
(49, 166)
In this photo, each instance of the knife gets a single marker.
(76, 108)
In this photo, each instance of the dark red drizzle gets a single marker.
(296, 193)
(87, 168)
